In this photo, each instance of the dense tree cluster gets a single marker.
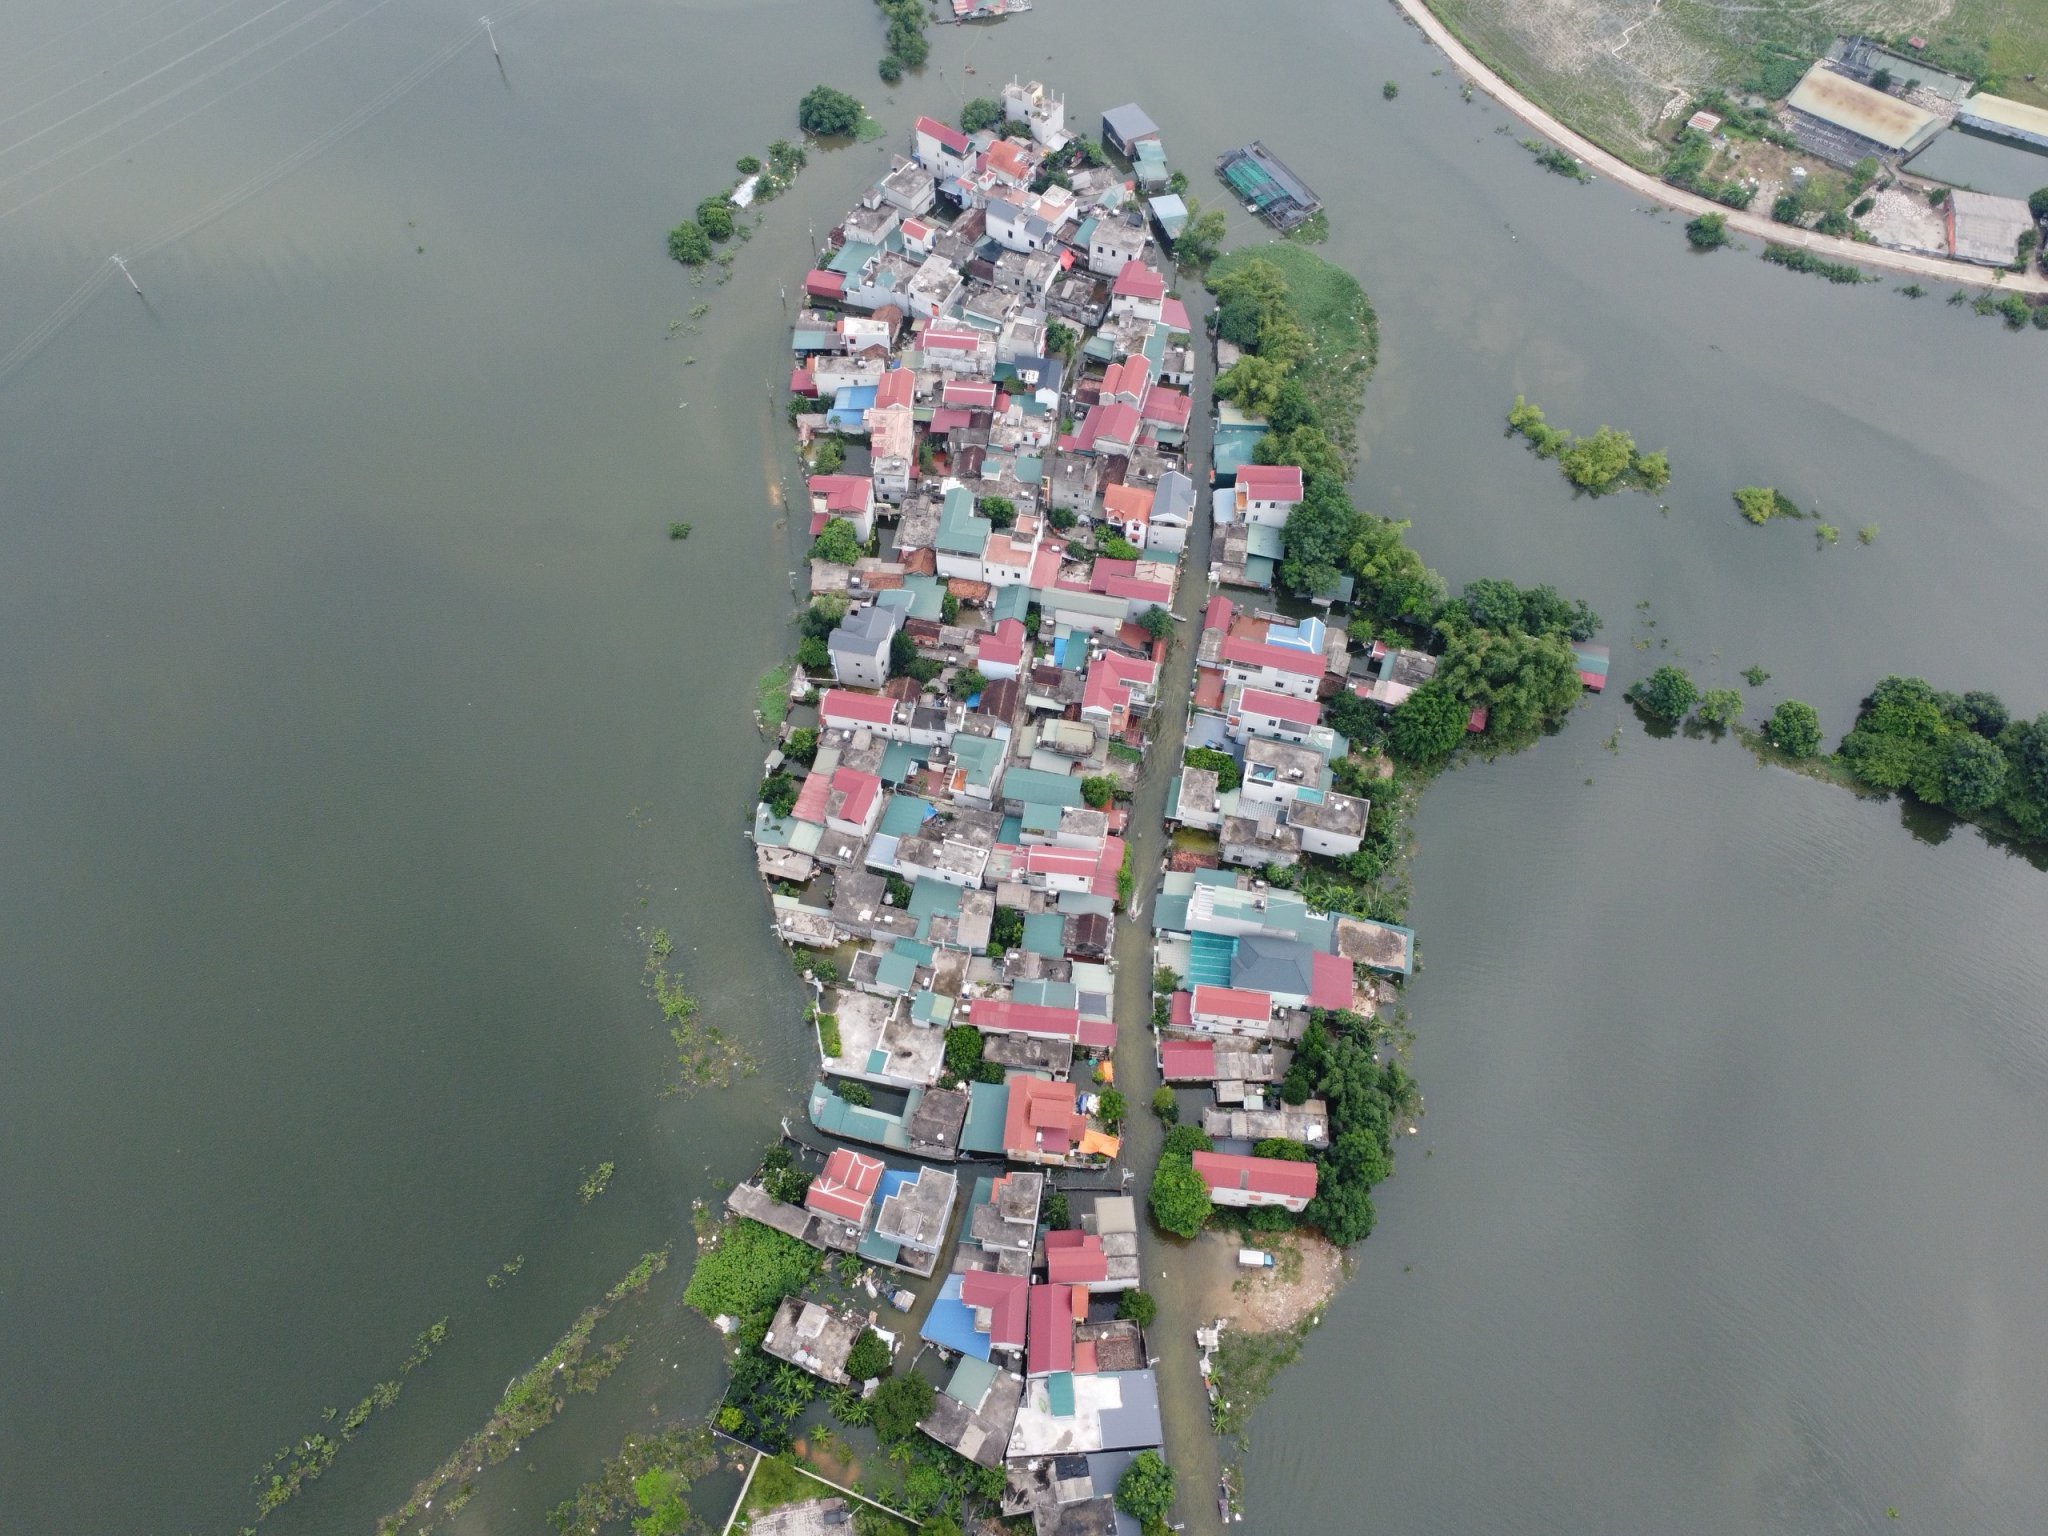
(828, 113)
(1606, 461)
(1228, 774)
(1962, 752)
(836, 542)
(1178, 1198)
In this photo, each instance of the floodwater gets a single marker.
(360, 717)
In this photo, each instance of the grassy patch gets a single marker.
(1245, 1366)
(778, 1482)
(1344, 332)
(771, 695)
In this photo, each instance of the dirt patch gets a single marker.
(1307, 1274)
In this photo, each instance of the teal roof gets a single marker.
(1169, 914)
(1010, 603)
(1059, 1392)
(770, 830)
(896, 971)
(894, 600)
(933, 898)
(904, 814)
(900, 760)
(1210, 956)
(1100, 347)
(927, 596)
(1011, 831)
(851, 258)
(970, 1381)
(980, 758)
(1086, 231)
(962, 531)
(988, 1104)
(852, 1122)
(920, 954)
(1039, 818)
(1047, 994)
(1030, 468)
(1258, 570)
(1045, 934)
(1263, 539)
(1035, 785)
(932, 1008)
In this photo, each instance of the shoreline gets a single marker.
(1756, 225)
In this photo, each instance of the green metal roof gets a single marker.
(962, 531)
(932, 1008)
(970, 1381)
(1045, 934)
(1035, 785)
(1059, 1392)
(988, 1104)
(904, 814)
(927, 596)
(933, 898)
(900, 760)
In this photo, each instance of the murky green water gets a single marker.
(356, 703)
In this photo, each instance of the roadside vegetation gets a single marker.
(703, 237)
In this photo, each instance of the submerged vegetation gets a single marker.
(1606, 461)
(705, 1055)
(594, 1183)
(1557, 161)
(651, 1474)
(717, 220)
(1760, 503)
(1797, 260)
(291, 1467)
(530, 1402)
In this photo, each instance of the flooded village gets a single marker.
(993, 384)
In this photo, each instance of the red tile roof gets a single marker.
(897, 387)
(844, 493)
(1115, 421)
(1263, 1175)
(1051, 1310)
(1005, 646)
(1002, 1016)
(1138, 281)
(1187, 1061)
(1041, 1116)
(1008, 158)
(825, 285)
(952, 138)
(978, 394)
(1128, 503)
(1278, 706)
(810, 800)
(1075, 1258)
(1255, 654)
(1232, 1003)
(1181, 1008)
(846, 1186)
(1168, 407)
(854, 795)
(839, 707)
(1270, 482)
(1330, 983)
(1006, 1299)
(1175, 315)
(1217, 614)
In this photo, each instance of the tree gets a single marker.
(1667, 694)
(1112, 547)
(1253, 382)
(1201, 238)
(813, 656)
(825, 614)
(1137, 1307)
(1526, 683)
(949, 608)
(2037, 204)
(828, 113)
(836, 542)
(1179, 1199)
(899, 1403)
(1062, 518)
(1320, 536)
(1708, 232)
(981, 113)
(890, 68)
(1145, 1491)
(999, 510)
(1428, 725)
(1005, 930)
(1099, 789)
(1599, 462)
(853, 1092)
(1881, 80)
(963, 1052)
(714, 217)
(1166, 1104)
(689, 244)
(1984, 713)
(828, 455)
(1156, 622)
(1973, 774)
(747, 165)
(1720, 707)
(966, 683)
(1111, 1107)
(1228, 774)
(802, 745)
(868, 1358)
(778, 793)
(1282, 1149)
(1794, 729)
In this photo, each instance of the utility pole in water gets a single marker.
(129, 275)
(492, 36)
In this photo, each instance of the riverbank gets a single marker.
(1757, 225)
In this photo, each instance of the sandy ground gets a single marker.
(1756, 223)
(1263, 1300)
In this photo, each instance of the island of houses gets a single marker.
(991, 376)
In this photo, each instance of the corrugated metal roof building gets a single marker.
(1886, 124)
(1986, 229)
(1998, 117)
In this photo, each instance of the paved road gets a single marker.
(1757, 224)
